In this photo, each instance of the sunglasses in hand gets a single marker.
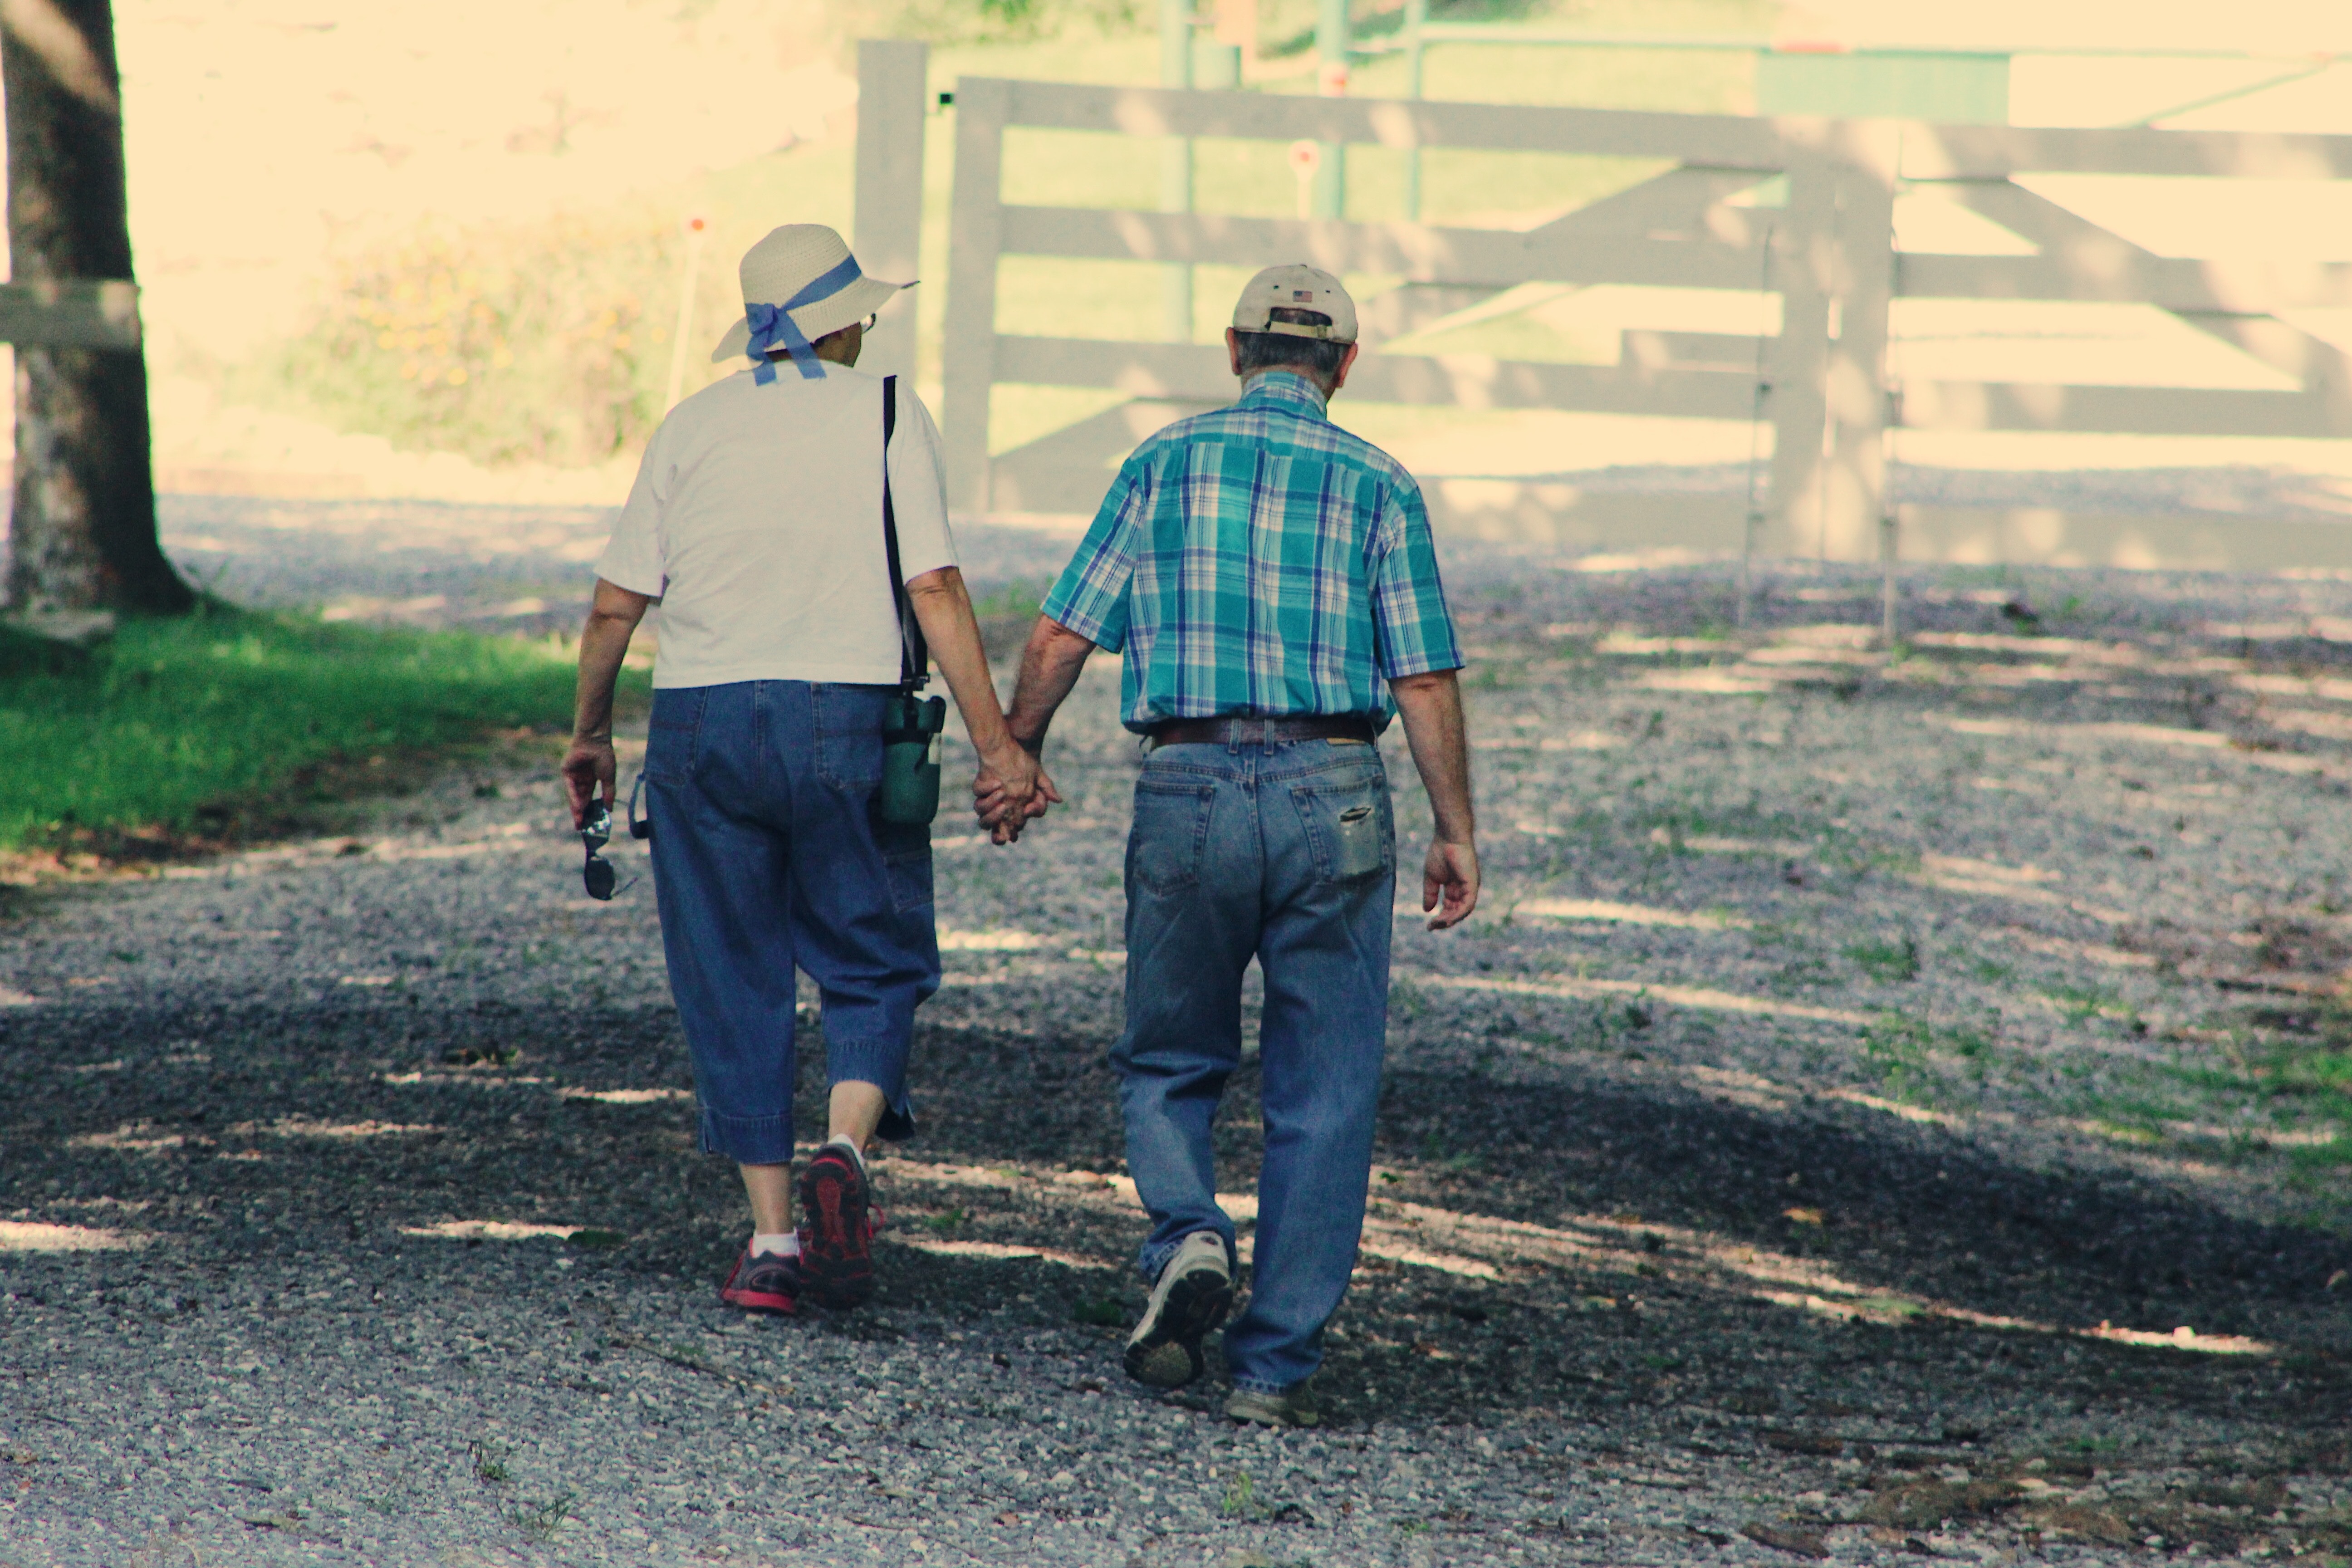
(595, 832)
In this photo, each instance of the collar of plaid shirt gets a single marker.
(1286, 388)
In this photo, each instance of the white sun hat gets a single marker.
(799, 283)
(1296, 287)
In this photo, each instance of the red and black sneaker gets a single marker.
(764, 1283)
(837, 1224)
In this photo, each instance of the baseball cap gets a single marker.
(1296, 287)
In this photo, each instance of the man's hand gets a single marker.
(1450, 876)
(1006, 791)
(1431, 707)
(1049, 667)
(1010, 792)
(589, 769)
(1003, 790)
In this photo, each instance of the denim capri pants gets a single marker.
(768, 858)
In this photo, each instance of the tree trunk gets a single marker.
(82, 532)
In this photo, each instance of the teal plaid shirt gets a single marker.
(1259, 561)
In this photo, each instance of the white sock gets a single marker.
(787, 1245)
(846, 1141)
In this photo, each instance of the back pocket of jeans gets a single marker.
(1170, 835)
(673, 736)
(849, 724)
(1351, 829)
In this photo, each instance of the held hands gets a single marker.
(1010, 791)
(1451, 876)
(588, 767)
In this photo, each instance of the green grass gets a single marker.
(1108, 1312)
(541, 1521)
(489, 1460)
(2081, 1003)
(1913, 1056)
(1888, 962)
(1020, 597)
(179, 727)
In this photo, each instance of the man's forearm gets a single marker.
(943, 609)
(1431, 707)
(1050, 664)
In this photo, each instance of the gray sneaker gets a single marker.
(1192, 1295)
(1293, 1407)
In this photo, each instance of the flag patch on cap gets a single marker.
(1294, 291)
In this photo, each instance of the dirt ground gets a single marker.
(1884, 1110)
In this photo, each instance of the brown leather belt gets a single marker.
(1228, 732)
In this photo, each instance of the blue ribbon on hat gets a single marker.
(773, 324)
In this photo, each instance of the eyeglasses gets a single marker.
(595, 832)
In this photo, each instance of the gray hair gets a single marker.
(1319, 358)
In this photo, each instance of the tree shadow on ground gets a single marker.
(1903, 1209)
(203, 1124)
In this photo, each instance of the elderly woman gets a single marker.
(756, 528)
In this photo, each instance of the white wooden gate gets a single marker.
(1828, 254)
(2231, 299)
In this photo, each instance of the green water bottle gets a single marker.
(910, 759)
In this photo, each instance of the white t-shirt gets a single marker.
(756, 520)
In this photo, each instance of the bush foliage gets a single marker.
(1010, 21)
(507, 342)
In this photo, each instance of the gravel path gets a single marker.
(518, 569)
(1882, 1110)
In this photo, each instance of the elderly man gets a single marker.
(1265, 573)
(757, 526)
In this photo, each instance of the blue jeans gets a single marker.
(1287, 853)
(767, 857)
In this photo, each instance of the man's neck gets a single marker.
(1250, 382)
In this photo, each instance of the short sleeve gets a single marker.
(633, 556)
(919, 490)
(1090, 598)
(1414, 631)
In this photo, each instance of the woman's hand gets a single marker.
(1010, 791)
(589, 770)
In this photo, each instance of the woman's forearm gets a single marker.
(603, 643)
(943, 609)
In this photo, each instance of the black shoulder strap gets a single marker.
(914, 653)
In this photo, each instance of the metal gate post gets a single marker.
(1332, 68)
(968, 354)
(1416, 17)
(892, 95)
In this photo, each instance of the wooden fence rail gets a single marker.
(1827, 256)
(82, 315)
